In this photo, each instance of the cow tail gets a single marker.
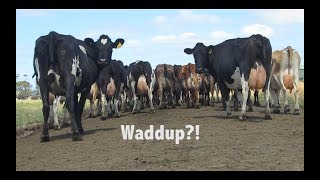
(290, 55)
(34, 66)
(165, 73)
(51, 48)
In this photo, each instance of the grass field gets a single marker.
(30, 111)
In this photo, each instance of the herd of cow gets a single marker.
(66, 67)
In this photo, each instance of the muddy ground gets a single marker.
(224, 144)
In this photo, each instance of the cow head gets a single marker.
(104, 47)
(201, 56)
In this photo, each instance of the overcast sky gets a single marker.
(157, 36)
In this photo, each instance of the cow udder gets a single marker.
(257, 78)
(111, 88)
(288, 79)
(142, 86)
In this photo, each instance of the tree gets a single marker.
(23, 89)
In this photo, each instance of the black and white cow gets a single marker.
(62, 67)
(110, 79)
(230, 63)
(141, 81)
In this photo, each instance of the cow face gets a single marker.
(104, 47)
(201, 56)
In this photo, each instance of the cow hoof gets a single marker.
(76, 136)
(103, 118)
(90, 116)
(44, 138)
(117, 116)
(228, 114)
(257, 104)
(296, 112)
(57, 127)
(286, 110)
(81, 131)
(152, 111)
(276, 111)
(65, 123)
(250, 109)
(267, 117)
(197, 106)
(242, 118)
(109, 115)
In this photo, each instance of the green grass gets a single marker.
(30, 111)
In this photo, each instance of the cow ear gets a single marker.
(188, 51)
(89, 41)
(118, 43)
(210, 49)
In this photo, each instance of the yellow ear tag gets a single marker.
(119, 45)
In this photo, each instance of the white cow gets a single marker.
(285, 75)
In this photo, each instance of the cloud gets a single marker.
(164, 39)
(221, 35)
(282, 16)
(258, 29)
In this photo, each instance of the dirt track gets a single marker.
(224, 144)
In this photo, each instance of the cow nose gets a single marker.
(102, 60)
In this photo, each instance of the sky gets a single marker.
(156, 35)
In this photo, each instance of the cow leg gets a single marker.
(196, 95)
(45, 110)
(104, 104)
(108, 106)
(91, 109)
(276, 96)
(286, 107)
(123, 101)
(256, 98)
(56, 123)
(150, 95)
(249, 102)
(245, 89)
(80, 108)
(139, 101)
(99, 106)
(161, 96)
(116, 110)
(51, 117)
(135, 98)
(64, 108)
(296, 98)
(76, 136)
(235, 100)
(173, 98)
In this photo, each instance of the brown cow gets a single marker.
(191, 85)
(166, 83)
(285, 75)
